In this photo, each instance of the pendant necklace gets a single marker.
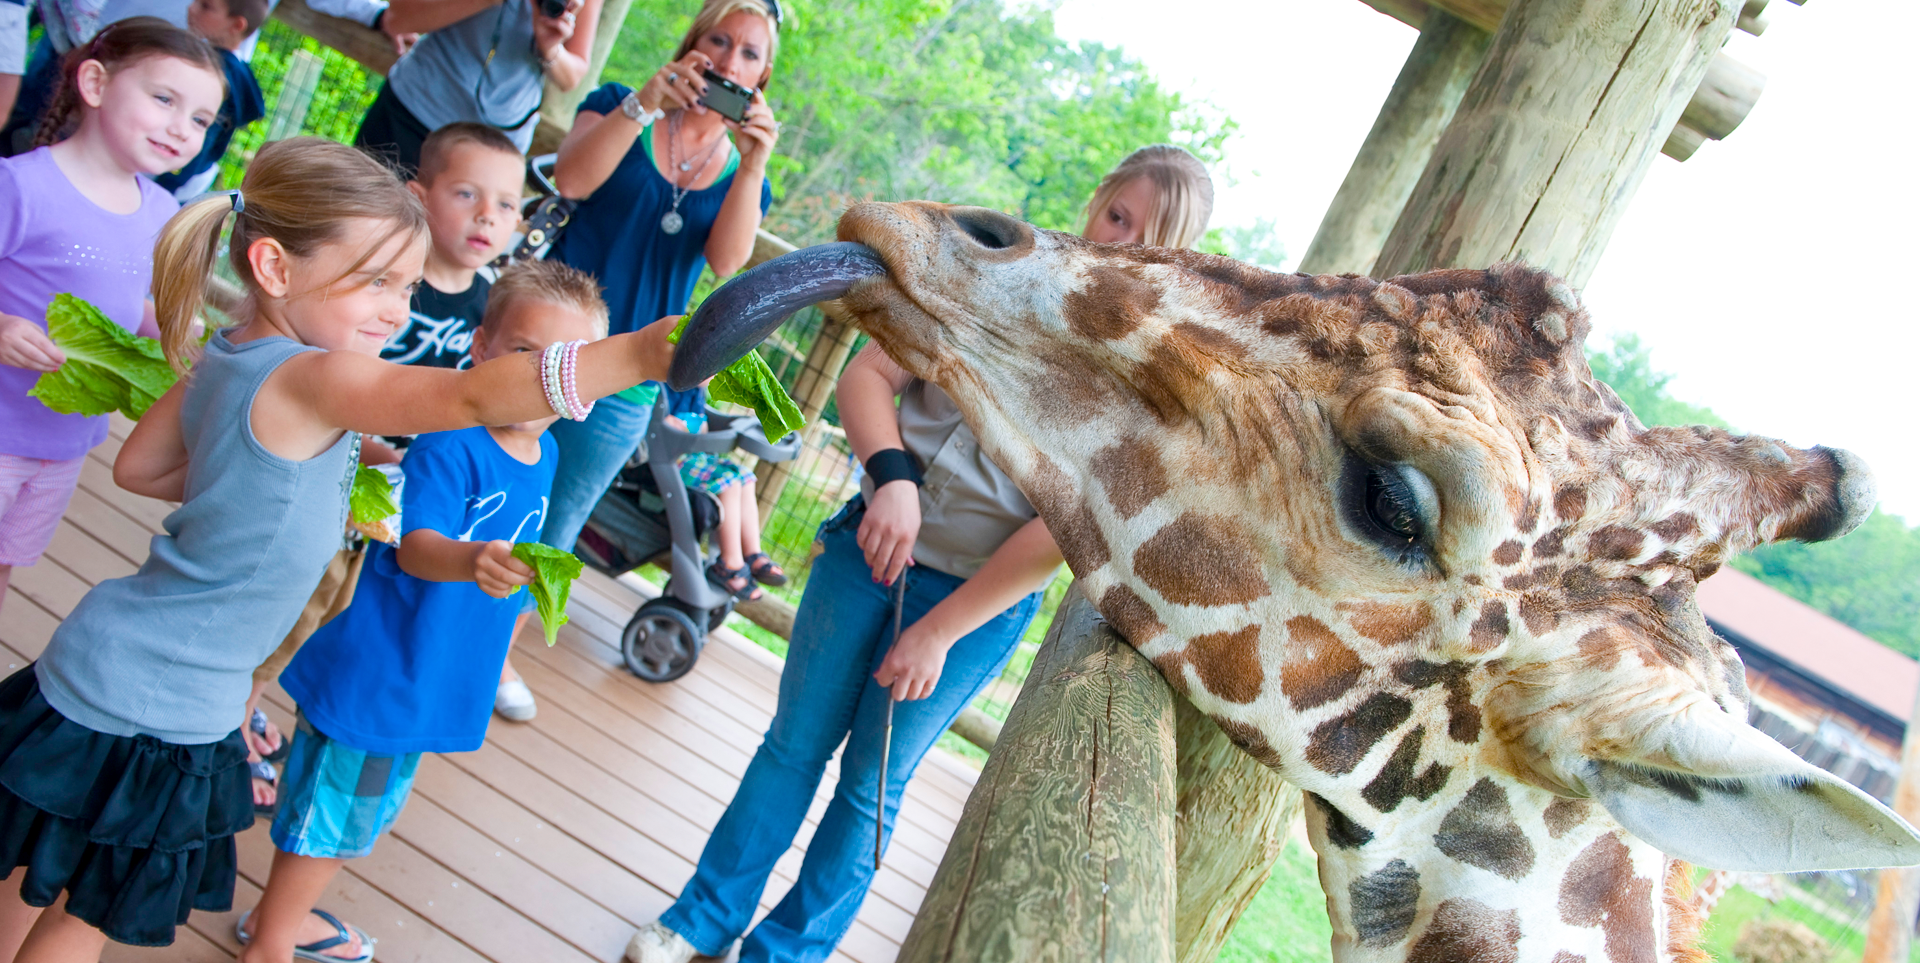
(671, 222)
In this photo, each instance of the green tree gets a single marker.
(1257, 244)
(959, 101)
(1870, 579)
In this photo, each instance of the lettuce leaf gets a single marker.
(553, 575)
(370, 504)
(749, 383)
(108, 368)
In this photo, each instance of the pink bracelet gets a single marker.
(579, 411)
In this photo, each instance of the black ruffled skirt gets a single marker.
(137, 831)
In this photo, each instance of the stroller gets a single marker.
(650, 515)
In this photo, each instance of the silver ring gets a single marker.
(672, 77)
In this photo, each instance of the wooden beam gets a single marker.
(1065, 850)
(367, 47)
(1897, 896)
(1725, 97)
(1418, 108)
(1568, 110)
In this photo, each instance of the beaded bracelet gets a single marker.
(569, 386)
(550, 378)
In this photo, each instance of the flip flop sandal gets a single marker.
(343, 934)
(265, 772)
(720, 575)
(259, 726)
(765, 570)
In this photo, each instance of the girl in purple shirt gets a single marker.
(76, 218)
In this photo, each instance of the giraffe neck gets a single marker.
(1508, 874)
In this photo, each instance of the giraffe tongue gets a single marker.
(742, 312)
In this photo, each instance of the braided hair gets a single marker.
(119, 44)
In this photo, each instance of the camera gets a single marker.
(552, 9)
(725, 97)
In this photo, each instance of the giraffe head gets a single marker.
(1396, 540)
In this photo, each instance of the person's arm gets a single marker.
(595, 144)
(871, 419)
(564, 43)
(731, 241)
(153, 461)
(1019, 566)
(315, 394)
(421, 16)
(427, 554)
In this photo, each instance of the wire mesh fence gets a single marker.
(323, 92)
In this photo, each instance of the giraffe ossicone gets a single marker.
(1397, 541)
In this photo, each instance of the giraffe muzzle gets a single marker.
(742, 312)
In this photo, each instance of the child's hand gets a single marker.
(912, 667)
(497, 572)
(675, 421)
(24, 345)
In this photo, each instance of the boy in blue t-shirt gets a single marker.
(411, 665)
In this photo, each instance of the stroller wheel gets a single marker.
(661, 642)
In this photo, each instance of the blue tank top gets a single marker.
(170, 650)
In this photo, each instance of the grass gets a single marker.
(1740, 905)
(1287, 920)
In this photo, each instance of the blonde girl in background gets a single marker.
(979, 567)
(123, 775)
(76, 217)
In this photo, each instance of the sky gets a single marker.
(1764, 273)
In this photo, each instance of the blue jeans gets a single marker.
(591, 454)
(826, 692)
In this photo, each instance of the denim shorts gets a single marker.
(335, 800)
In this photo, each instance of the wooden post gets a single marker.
(296, 95)
(369, 48)
(1568, 110)
(1396, 149)
(1065, 849)
(1897, 899)
(1231, 824)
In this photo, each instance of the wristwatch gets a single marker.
(638, 114)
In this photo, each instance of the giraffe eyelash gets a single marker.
(1394, 506)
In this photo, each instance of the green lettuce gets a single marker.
(553, 575)
(370, 503)
(749, 383)
(108, 368)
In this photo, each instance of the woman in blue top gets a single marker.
(661, 196)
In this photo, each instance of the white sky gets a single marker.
(1765, 272)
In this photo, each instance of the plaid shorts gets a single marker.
(335, 800)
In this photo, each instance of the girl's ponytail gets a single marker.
(120, 44)
(182, 265)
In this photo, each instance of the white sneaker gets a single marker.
(657, 944)
(515, 701)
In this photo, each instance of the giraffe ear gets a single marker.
(1726, 796)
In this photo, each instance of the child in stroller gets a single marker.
(651, 515)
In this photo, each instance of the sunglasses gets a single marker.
(773, 7)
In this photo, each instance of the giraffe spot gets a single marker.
(1570, 502)
(1601, 647)
(1480, 831)
(1319, 667)
(1110, 303)
(1386, 623)
(1229, 663)
(1529, 516)
(1337, 745)
(1551, 544)
(1463, 717)
(1200, 339)
(1565, 957)
(1396, 780)
(1071, 391)
(1342, 831)
(1132, 474)
(1124, 609)
(1464, 930)
(1173, 380)
(1508, 553)
(1384, 903)
(1675, 527)
(1069, 519)
(1615, 542)
(1202, 560)
(1251, 741)
(1601, 890)
(1564, 814)
(1539, 612)
(1490, 629)
(1584, 586)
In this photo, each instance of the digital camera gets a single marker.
(727, 98)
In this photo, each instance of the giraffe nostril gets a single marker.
(994, 231)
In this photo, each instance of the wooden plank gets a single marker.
(111, 527)
(25, 625)
(50, 584)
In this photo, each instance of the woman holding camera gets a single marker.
(484, 61)
(664, 192)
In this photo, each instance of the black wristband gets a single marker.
(892, 465)
(379, 18)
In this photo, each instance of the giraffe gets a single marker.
(1399, 544)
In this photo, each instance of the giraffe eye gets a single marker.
(1392, 505)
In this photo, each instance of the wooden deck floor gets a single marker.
(559, 837)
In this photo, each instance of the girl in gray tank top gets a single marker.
(122, 770)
